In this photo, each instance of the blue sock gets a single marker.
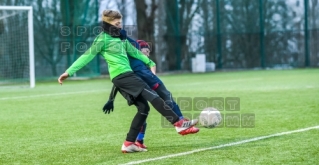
(140, 136)
(177, 110)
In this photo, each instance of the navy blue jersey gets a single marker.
(141, 70)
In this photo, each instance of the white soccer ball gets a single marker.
(210, 117)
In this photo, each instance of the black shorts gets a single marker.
(129, 83)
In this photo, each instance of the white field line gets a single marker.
(50, 94)
(222, 146)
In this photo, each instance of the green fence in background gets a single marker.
(234, 34)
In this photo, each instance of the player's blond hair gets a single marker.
(110, 15)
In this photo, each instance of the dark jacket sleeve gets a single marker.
(133, 42)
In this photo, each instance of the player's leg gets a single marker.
(130, 83)
(167, 97)
(140, 137)
(182, 126)
(138, 121)
(156, 84)
(176, 108)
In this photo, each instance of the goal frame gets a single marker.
(30, 38)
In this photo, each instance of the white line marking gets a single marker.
(222, 146)
(51, 94)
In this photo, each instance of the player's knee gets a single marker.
(147, 108)
(144, 109)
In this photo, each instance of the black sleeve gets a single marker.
(113, 93)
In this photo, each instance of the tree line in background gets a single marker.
(232, 33)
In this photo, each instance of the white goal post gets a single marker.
(12, 14)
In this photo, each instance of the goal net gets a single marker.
(16, 46)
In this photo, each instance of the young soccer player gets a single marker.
(114, 48)
(152, 81)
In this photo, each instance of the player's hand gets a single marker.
(108, 107)
(63, 77)
(153, 69)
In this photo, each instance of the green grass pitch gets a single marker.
(55, 124)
